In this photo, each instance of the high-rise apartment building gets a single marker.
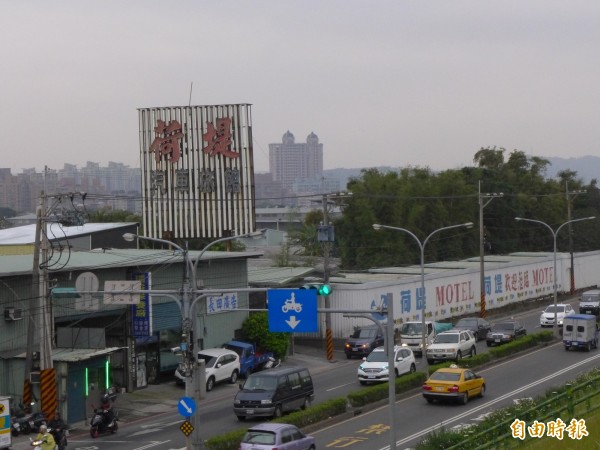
(289, 161)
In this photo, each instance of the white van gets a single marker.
(579, 331)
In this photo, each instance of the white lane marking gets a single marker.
(151, 444)
(338, 387)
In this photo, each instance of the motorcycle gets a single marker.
(60, 437)
(272, 363)
(102, 423)
(34, 421)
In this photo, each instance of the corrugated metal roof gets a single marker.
(80, 354)
(22, 264)
(26, 234)
(280, 276)
(77, 354)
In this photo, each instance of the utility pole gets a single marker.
(570, 195)
(326, 238)
(483, 204)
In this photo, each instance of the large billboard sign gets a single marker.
(197, 171)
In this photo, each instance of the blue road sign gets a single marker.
(186, 406)
(292, 310)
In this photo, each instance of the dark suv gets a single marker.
(363, 341)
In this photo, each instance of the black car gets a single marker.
(506, 331)
(363, 341)
(480, 327)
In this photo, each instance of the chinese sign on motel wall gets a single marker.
(197, 171)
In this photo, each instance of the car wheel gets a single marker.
(210, 384)
(489, 344)
(312, 447)
(430, 361)
(362, 382)
(588, 347)
(306, 403)
(464, 399)
(234, 377)
(348, 356)
(458, 355)
(413, 368)
(278, 412)
(396, 372)
(482, 393)
(241, 418)
(473, 351)
(429, 400)
(566, 348)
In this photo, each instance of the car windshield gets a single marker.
(259, 437)
(209, 360)
(558, 309)
(364, 333)
(411, 328)
(260, 383)
(467, 323)
(377, 357)
(445, 376)
(446, 338)
(504, 326)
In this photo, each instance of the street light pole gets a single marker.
(554, 277)
(378, 227)
(194, 370)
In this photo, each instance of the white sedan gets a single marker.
(561, 309)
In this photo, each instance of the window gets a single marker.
(305, 377)
(294, 380)
(286, 436)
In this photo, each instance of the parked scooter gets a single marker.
(272, 363)
(17, 419)
(103, 421)
(35, 421)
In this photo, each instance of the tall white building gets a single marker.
(289, 162)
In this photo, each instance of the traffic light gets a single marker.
(322, 289)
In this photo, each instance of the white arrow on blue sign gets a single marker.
(186, 406)
(292, 310)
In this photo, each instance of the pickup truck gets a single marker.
(252, 359)
(411, 334)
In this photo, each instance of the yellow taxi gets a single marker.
(453, 383)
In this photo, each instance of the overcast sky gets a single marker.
(395, 83)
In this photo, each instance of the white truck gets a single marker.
(580, 331)
(410, 334)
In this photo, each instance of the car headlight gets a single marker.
(361, 367)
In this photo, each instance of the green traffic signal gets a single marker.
(324, 289)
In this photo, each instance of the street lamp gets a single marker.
(554, 234)
(378, 227)
(189, 294)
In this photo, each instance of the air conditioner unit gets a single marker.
(12, 314)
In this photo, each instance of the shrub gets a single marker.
(256, 329)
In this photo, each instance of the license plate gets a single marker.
(249, 411)
(497, 340)
(574, 344)
(439, 388)
(354, 349)
(371, 376)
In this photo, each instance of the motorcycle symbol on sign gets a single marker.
(291, 305)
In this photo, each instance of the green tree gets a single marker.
(256, 329)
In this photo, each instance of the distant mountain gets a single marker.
(587, 168)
